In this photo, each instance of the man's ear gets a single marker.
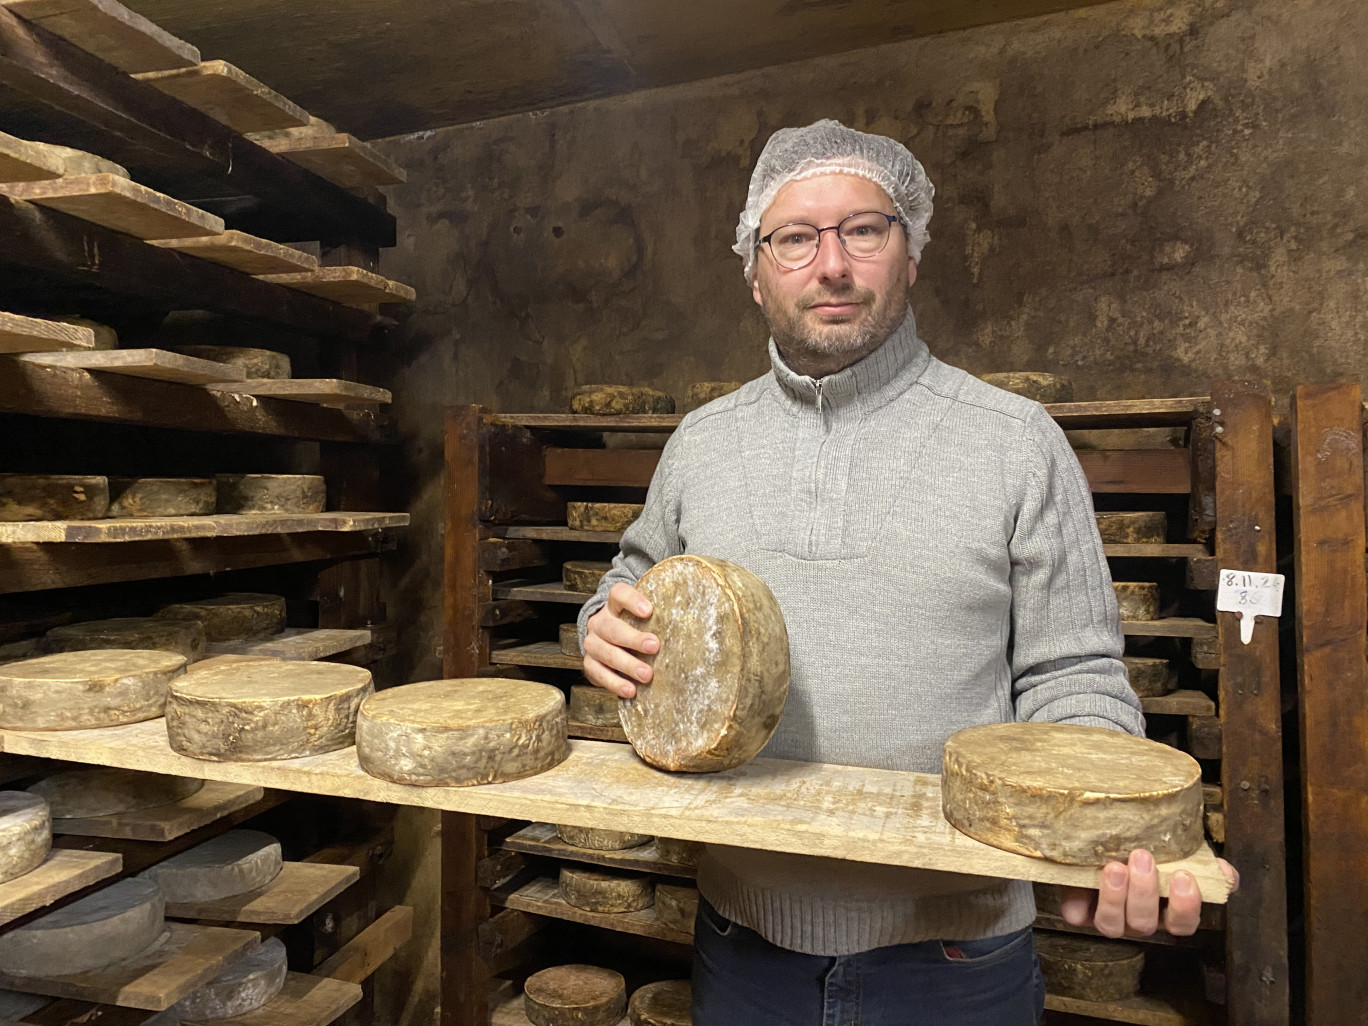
(755, 288)
(911, 272)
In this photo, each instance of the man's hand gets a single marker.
(1127, 901)
(609, 644)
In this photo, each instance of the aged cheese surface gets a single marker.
(25, 833)
(232, 617)
(253, 712)
(704, 392)
(88, 791)
(271, 493)
(583, 574)
(666, 1003)
(722, 672)
(130, 632)
(232, 863)
(161, 496)
(593, 705)
(112, 924)
(247, 983)
(254, 363)
(676, 906)
(1043, 388)
(600, 840)
(569, 641)
(1078, 795)
(74, 690)
(52, 497)
(1132, 528)
(620, 399)
(598, 889)
(452, 733)
(672, 849)
(1148, 677)
(1138, 600)
(601, 516)
(1091, 968)
(575, 995)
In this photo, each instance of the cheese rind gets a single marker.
(232, 863)
(673, 849)
(271, 493)
(247, 983)
(1089, 968)
(77, 690)
(596, 889)
(575, 995)
(1148, 677)
(569, 641)
(600, 840)
(666, 1003)
(232, 617)
(108, 926)
(617, 400)
(583, 575)
(254, 363)
(130, 632)
(89, 791)
(1137, 600)
(25, 497)
(676, 906)
(25, 833)
(593, 705)
(601, 516)
(161, 496)
(1132, 528)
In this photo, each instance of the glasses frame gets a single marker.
(892, 220)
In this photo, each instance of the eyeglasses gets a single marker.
(863, 235)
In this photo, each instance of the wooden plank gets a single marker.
(1179, 703)
(1169, 627)
(596, 732)
(1124, 413)
(1141, 1009)
(110, 31)
(643, 422)
(157, 364)
(24, 161)
(552, 591)
(371, 948)
(497, 554)
(296, 643)
(600, 468)
(350, 286)
(228, 94)
(304, 1000)
(542, 897)
(323, 391)
(1155, 550)
(504, 931)
(63, 872)
(542, 839)
(562, 534)
(243, 252)
(1202, 573)
(867, 815)
(537, 653)
(118, 204)
(33, 335)
(298, 891)
(340, 158)
(210, 803)
(221, 525)
(1146, 471)
(1332, 611)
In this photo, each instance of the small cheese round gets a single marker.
(108, 926)
(75, 690)
(602, 516)
(52, 497)
(271, 493)
(676, 906)
(1132, 528)
(88, 791)
(685, 853)
(255, 364)
(575, 995)
(25, 833)
(453, 733)
(233, 617)
(597, 889)
(161, 496)
(593, 705)
(131, 632)
(667, 1003)
(569, 640)
(722, 672)
(583, 575)
(1043, 388)
(232, 863)
(247, 983)
(1072, 794)
(1090, 968)
(1148, 677)
(1137, 600)
(256, 712)
(704, 392)
(600, 840)
(617, 400)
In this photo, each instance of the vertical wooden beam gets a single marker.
(1251, 729)
(1332, 629)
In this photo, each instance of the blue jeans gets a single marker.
(741, 979)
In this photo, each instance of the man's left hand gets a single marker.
(1126, 902)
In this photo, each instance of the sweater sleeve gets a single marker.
(1066, 631)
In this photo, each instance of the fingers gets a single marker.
(1076, 905)
(600, 676)
(1231, 874)
(1184, 905)
(1110, 917)
(610, 644)
(620, 634)
(623, 597)
(1142, 894)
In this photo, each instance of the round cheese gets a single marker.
(676, 906)
(1132, 528)
(575, 995)
(452, 733)
(596, 889)
(88, 791)
(685, 853)
(256, 712)
(667, 1003)
(25, 833)
(704, 392)
(1137, 600)
(52, 497)
(1043, 388)
(108, 926)
(76, 690)
(247, 983)
(255, 364)
(616, 400)
(234, 617)
(569, 640)
(722, 672)
(1148, 677)
(600, 840)
(1090, 968)
(593, 705)
(601, 516)
(130, 632)
(161, 496)
(583, 575)
(232, 863)
(1078, 795)
(271, 493)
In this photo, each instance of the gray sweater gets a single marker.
(930, 540)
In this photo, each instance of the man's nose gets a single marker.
(832, 260)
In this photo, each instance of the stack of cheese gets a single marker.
(113, 924)
(589, 995)
(32, 497)
(77, 690)
(25, 833)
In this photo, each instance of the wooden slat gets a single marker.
(298, 891)
(562, 534)
(296, 643)
(350, 286)
(1141, 1009)
(24, 161)
(210, 803)
(63, 872)
(32, 335)
(304, 1000)
(322, 391)
(157, 364)
(541, 839)
(340, 158)
(243, 252)
(542, 897)
(371, 948)
(228, 94)
(1169, 627)
(1179, 703)
(118, 204)
(642, 422)
(110, 31)
(536, 653)
(222, 525)
(612, 468)
(596, 732)
(1154, 551)
(1124, 413)
(552, 591)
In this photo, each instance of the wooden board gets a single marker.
(243, 252)
(1155, 551)
(350, 286)
(32, 335)
(295, 643)
(24, 161)
(63, 872)
(157, 364)
(110, 31)
(1179, 703)
(867, 815)
(542, 897)
(541, 839)
(1142, 471)
(118, 204)
(323, 391)
(166, 822)
(228, 94)
(305, 1000)
(1125, 413)
(596, 732)
(224, 525)
(538, 653)
(371, 948)
(299, 890)
(1142, 1010)
(552, 591)
(340, 158)
(562, 534)
(1169, 627)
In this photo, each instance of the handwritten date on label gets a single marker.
(1249, 594)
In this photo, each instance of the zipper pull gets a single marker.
(819, 396)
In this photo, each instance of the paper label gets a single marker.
(1249, 594)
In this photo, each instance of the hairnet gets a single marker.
(829, 147)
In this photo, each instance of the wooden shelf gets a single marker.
(552, 591)
(320, 391)
(1169, 627)
(243, 252)
(1155, 550)
(118, 204)
(223, 525)
(561, 533)
(63, 872)
(228, 94)
(541, 839)
(299, 890)
(1142, 1010)
(538, 653)
(157, 364)
(542, 897)
(305, 1000)
(295, 643)
(597, 732)
(644, 422)
(1179, 703)
(212, 802)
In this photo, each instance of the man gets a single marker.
(931, 542)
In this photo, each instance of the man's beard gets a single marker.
(800, 341)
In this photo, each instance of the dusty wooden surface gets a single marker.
(298, 890)
(350, 286)
(323, 391)
(365, 952)
(305, 1000)
(295, 643)
(140, 363)
(340, 158)
(536, 653)
(110, 31)
(1169, 627)
(224, 525)
(63, 872)
(542, 897)
(118, 204)
(228, 94)
(552, 591)
(34, 335)
(209, 804)
(541, 839)
(24, 161)
(243, 252)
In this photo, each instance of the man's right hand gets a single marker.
(610, 643)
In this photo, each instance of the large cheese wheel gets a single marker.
(1090, 968)
(601, 516)
(76, 690)
(25, 833)
(232, 617)
(271, 493)
(615, 400)
(108, 926)
(600, 840)
(232, 863)
(704, 392)
(1078, 795)
(88, 791)
(597, 889)
(673, 849)
(161, 496)
(1148, 677)
(451, 733)
(667, 1003)
(676, 906)
(1132, 528)
(722, 672)
(130, 632)
(575, 995)
(569, 640)
(1137, 600)
(1043, 388)
(255, 364)
(583, 575)
(247, 983)
(254, 712)
(52, 497)
(593, 705)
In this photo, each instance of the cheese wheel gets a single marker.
(569, 640)
(600, 840)
(247, 983)
(616, 400)
(704, 392)
(256, 712)
(130, 632)
(596, 889)
(233, 617)
(15, 1006)
(25, 833)
(452, 733)
(1137, 600)
(1089, 968)
(583, 575)
(76, 690)
(1132, 528)
(575, 995)
(1043, 388)
(601, 516)
(676, 906)
(255, 364)
(1148, 677)
(1206, 653)
(1078, 795)
(232, 863)
(52, 497)
(593, 705)
(667, 1003)
(88, 791)
(108, 926)
(722, 672)
(685, 853)
(271, 493)
(161, 496)
(106, 338)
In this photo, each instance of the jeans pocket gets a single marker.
(984, 950)
(716, 921)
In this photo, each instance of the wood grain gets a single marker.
(552, 591)
(322, 391)
(542, 897)
(228, 94)
(562, 534)
(1169, 627)
(110, 31)
(119, 205)
(1179, 703)
(371, 948)
(350, 286)
(541, 839)
(536, 653)
(223, 525)
(157, 364)
(24, 161)
(295, 643)
(340, 158)
(298, 890)
(210, 803)
(243, 252)
(33, 335)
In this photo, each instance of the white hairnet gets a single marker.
(829, 147)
